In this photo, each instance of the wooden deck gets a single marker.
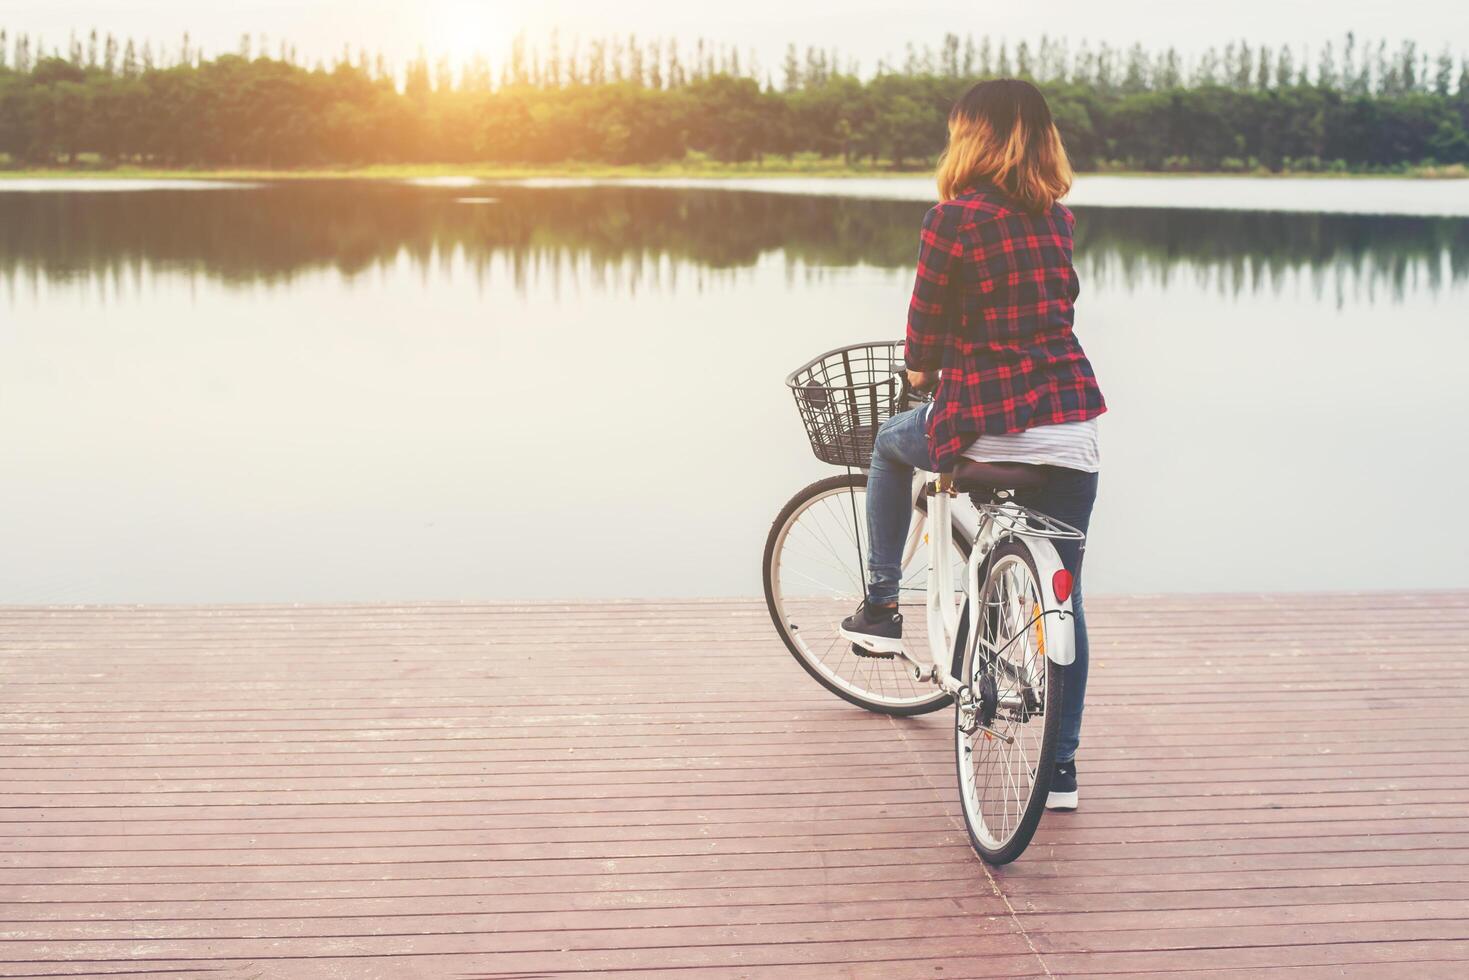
(1271, 784)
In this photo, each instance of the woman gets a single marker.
(991, 321)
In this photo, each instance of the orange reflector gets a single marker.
(1061, 585)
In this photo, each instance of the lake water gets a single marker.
(356, 391)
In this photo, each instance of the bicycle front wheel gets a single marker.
(815, 570)
(1008, 718)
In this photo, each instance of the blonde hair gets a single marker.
(1001, 131)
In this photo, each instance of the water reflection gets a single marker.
(356, 392)
(629, 238)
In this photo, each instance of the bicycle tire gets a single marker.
(804, 497)
(1011, 848)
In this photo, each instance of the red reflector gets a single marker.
(1061, 585)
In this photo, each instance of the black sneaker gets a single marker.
(875, 631)
(1063, 787)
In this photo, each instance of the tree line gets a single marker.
(101, 101)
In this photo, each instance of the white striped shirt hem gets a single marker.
(1073, 445)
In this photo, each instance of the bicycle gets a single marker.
(978, 559)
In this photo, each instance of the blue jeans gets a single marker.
(901, 446)
(1068, 495)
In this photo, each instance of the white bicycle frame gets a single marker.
(986, 529)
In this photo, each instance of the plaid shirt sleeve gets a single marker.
(932, 309)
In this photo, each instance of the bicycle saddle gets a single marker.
(972, 476)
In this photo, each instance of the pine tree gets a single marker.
(553, 61)
(1443, 76)
(634, 60)
(1023, 66)
(1106, 78)
(1063, 60)
(1042, 67)
(572, 70)
(1326, 68)
(1244, 66)
(657, 75)
(1387, 76)
(1362, 79)
(971, 64)
(1207, 70)
(415, 81)
(791, 69)
(130, 61)
(1169, 74)
(597, 63)
(1408, 66)
(478, 76)
(619, 71)
(1136, 77)
(812, 78)
(518, 67)
(1285, 69)
(950, 56)
(1083, 69)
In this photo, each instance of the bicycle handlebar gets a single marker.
(910, 394)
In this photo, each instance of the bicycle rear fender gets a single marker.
(1060, 623)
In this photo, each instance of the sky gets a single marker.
(867, 30)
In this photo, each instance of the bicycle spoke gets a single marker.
(818, 579)
(1000, 769)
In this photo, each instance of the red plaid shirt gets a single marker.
(992, 310)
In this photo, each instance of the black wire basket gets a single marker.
(844, 395)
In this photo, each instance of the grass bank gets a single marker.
(800, 166)
(692, 167)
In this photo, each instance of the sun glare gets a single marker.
(462, 29)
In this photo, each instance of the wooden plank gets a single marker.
(1271, 784)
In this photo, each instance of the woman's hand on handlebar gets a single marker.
(921, 380)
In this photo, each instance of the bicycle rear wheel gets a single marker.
(814, 572)
(1008, 718)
